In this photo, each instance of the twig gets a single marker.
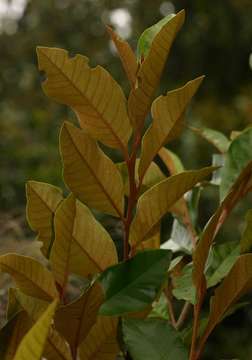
(170, 306)
(183, 315)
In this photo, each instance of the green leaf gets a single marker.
(183, 285)
(180, 239)
(237, 157)
(153, 339)
(246, 240)
(216, 138)
(42, 202)
(217, 160)
(160, 308)
(132, 285)
(89, 173)
(159, 199)
(33, 343)
(146, 38)
(221, 259)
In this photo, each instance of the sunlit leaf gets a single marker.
(33, 343)
(150, 71)
(151, 339)
(237, 283)
(93, 94)
(89, 173)
(81, 245)
(126, 54)
(101, 342)
(246, 240)
(166, 112)
(171, 161)
(132, 285)
(237, 158)
(158, 200)
(30, 276)
(216, 138)
(75, 320)
(42, 202)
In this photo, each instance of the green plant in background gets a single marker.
(148, 305)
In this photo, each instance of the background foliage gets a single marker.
(216, 41)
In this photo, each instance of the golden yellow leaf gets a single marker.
(89, 173)
(150, 71)
(126, 54)
(171, 161)
(93, 94)
(81, 245)
(33, 343)
(42, 202)
(75, 320)
(153, 241)
(166, 112)
(202, 250)
(158, 200)
(236, 284)
(101, 342)
(30, 276)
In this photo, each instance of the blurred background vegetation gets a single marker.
(216, 40)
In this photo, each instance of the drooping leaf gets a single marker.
(221, 259)
(75, 320)
(167, 113)
(126, 54)
(183, 285)
(151, 339)
(89, 173)
(180, 239)
(158, 200)
(81, 245)
(150, 71)
(30, 276)
(42, 202)
(33, 343)
(132, 285)
(200, 255)
(146, 38)
(237, 158)
(93, 94)
(12, 334)
(236, 284)
(101, 342)
(216, 138)
(246, 240)
(171, 161)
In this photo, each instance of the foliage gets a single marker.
(121, 308)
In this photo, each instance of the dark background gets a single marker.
(216, 40)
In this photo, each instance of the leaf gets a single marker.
(75, 320)
(42, 202)
(183, 285)
(237, 283)
(146, 38)
(13, 306)
(32, 345)
(150, 71)
(180, 239)
(81, 245)
(171, 161)
(12, 334)
(217, 160)
(126, 54)
(237, 158)
(153, 241)
(153, 176)
(221, 259)
(151, 339)
(167, 113)
(160, 308)
(238, 190)
(89, 173)
(30, 276)
(33, 306)
(132, 285)
(246, 240)
(93, 94)
(101, 342)
(162, 197)
(216, 138)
